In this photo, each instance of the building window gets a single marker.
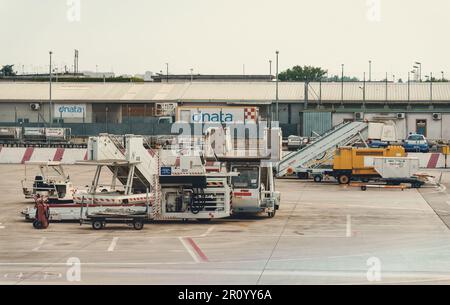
(58, 121)
(23, 120)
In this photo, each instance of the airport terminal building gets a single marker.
(305, 109)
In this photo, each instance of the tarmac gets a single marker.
(323, 233)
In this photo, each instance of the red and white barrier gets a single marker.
(431, 160)
(19, 155)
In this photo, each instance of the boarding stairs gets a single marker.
(129, 148)
(323, 148)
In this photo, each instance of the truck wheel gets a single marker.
(344, 179)
(97, 224)
(138, 224)
(272, 214)
(318, 178)
(363, 188)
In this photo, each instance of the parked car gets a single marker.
(296, 142)
(416, 143)
(377, 144)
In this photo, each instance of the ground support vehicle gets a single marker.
(51, 181)
(253, 181)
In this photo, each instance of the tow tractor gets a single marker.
(51, 181)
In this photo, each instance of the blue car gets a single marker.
(416, 143)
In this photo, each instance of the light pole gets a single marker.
(192, 75)
(420, 70)
(409, 86)
(270, 68)
(342, 83)
(50, 91)
(276, 96)
(442, 73)
(167, 71)
(370, 70)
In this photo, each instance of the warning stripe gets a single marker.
(197, 249)
(151, 152)
(27, 155)
(85, 156)
(242, 194)
(434, 158)
(58, 154)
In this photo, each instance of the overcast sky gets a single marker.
(218, 36)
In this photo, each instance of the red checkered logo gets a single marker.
(250, 114)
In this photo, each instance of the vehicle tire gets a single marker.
(138, 224)
(97, 224)
(318, 178)
(37, 224)
(272, 214)
(363, 188)
(344, 179)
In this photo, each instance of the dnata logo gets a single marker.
(70, 109)
(212, 117)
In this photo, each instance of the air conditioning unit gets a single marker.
(35, 106)
(359, 116)
(437, 116)
(401, 115)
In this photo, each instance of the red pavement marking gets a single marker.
(58, 154)
(434, 158)
(197, 249)
(27, 155)
(85, 156)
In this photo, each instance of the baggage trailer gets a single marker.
(99, 220)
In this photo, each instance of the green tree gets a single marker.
(7, 70)
(302, 74)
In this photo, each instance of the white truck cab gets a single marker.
(254, 188)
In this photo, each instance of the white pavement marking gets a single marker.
(349, 226)
(113, 244)
(1, 227)
(189, 249)
(41, 242)
(207, 232)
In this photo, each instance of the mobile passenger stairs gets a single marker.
(313, 160)
(158, 184)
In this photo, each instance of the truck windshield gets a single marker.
(248, 177)
(415, 138)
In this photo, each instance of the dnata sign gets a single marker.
(219, 117)
(70, 110)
